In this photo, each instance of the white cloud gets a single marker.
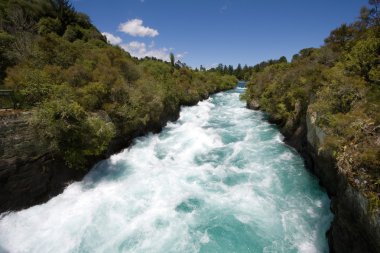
(135, 27)
(141, 50)
(112, 38)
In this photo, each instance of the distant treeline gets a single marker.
(245, 72)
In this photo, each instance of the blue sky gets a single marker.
(209, 32)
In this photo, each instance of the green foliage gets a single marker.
(339, 82)
(83, 20)
(374, 203)
(172, 59)
(338, 94)
(83, 90)
(49, 25)
(340, 38)
(91, 96)
(364, 57)
(68, 130)
(72, 33)
(32, 85)
(65, 13)
(53, 50)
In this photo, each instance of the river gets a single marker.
(220, 179)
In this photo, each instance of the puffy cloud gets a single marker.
(138, 49)
(141, 50)
(135, 27)
(112, 38)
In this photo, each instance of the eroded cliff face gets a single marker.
(28, 173)
(354, 228)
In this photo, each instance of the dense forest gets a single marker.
(83, 91)
(339, 83)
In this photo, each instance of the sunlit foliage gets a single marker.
(83, 91)
(340, 83)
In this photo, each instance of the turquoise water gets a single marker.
(220, 179)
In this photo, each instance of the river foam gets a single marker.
(220, 179)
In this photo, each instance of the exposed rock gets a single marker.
(253, 104)
(354, 229)
(30, 175)
(324, 163)
(315, 135)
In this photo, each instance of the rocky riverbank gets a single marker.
(354, 228)
(30, 174)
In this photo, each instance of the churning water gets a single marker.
(220, 179)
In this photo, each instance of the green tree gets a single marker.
(230, 69)
(65, 13)
(238, 72)
(172, 59)
(282, 59)
(339, 37)
(364, 57)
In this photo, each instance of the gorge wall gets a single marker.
(30, 174)
(354, 228)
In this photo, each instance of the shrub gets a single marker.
(69, 131)
(49, 25)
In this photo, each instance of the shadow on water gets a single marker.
(106, 171)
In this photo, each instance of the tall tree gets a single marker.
(172, 59)
(238, 72)
(230, 70)
(219, 68)
(65, 12)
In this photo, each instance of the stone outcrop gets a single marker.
(354, 228)
(253, 104)
(28, 173)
